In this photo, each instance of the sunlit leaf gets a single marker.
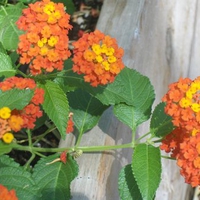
(146, 167)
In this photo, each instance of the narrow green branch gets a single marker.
(167, 157)
(38, 138)
(143, 136)
(27, 165)
(84, 148)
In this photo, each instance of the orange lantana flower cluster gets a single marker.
(45, 42)
(5, 194)
(183, 105)
(98, 57)
(9, 122)
(32, 111)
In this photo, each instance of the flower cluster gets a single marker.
(32, 110)
(9, 122)
(183, 105)
(98, 57)
(5, 194)
(45, 42)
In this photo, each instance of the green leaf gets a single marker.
(146, 166)
(129, 87)
(86, 109)
(21, 181)
(54, 179)
(56, 106)
(2, 50)
(161, 123)
(4, 148)
(130, 115)
(15, 98)
(6, 161)
(70, 8)
(6, 68)
(9, 33)
(128, 188)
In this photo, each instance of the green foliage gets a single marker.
(130, 115)
(86, 109)
(129, 87)
(70, 8)
(6, 68)
(18, 179)
(15, 98)
(128, 188)
(6, 161)
(4, 148)
(9, 33)
(146, 166)
(54, 179)
(161, 123)
(56, 105)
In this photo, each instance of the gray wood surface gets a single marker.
(161, 40)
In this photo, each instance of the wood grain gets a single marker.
(161, 40)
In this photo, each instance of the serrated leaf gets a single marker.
(4, 148)
(54, 179)
(146, 167)
(128, 188)
(2, 50)
(130, 87)
(161, 123)
(6, 68)
(15, 98)
(21, 181)
(86, 109)
(56, 106)
(9, 33)
(6, 161)
(130, 115)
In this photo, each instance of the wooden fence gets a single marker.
(160, 39)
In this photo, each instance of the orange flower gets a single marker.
(186, 149)
(5, 194)
(24, 118)
(183, 103)
(98, 57)
(45, 42)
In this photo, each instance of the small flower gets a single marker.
(70, 124)
(98, 57)
(8, 138)
(44, 45)
(5, 194)
(5, 112)
(63, 157)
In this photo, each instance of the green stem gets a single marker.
(21, 73)
(26, 166)
(167, 157)
(143, 136)
(38, 138)
(84, 148)
(29, 137)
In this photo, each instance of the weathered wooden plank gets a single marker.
(160, 38)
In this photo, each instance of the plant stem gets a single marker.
(146, 134)
(26, 166)
(167, 157)
(84, 148)
(38, 138)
